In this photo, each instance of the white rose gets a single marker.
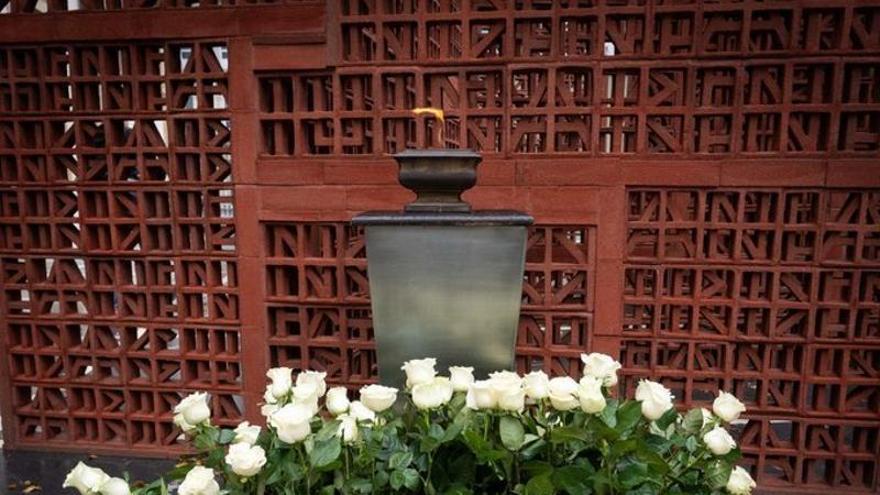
(419, 371)
(601, 366)
(307, 394)
(740, 482)
(378, 398)
(513, 400)
(199, 481)
(292, 422)
(656, 399)
(246, 433)
(708, 417)
(316, 378)
(360, 412)
(268, 398)
(115, 486)
(85, 478)
(433, 394)
(505, 381)
(719, 441)
(506, 386)
(481, 396)
(562, 393)
(461, 377)
(727, 407)
(182, 424)
(337, 400)
(282, 381)
(193, 409)
(537, 385)
(590, 395)
(348, 428)
(245, 460)
(267, 410)
(563, 385)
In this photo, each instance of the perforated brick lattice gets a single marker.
(775, 295)
(704, 177)
(118, 240)
(581, 77)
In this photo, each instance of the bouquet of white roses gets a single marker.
(453, 434)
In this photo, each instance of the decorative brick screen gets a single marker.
(177, 180)
(775, 295)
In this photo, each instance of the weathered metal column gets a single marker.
(445, 281)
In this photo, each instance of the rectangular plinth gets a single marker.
(447, 291)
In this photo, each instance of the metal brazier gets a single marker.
(444, 281)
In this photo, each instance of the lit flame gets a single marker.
(437, 113)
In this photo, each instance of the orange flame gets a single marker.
(437, 113)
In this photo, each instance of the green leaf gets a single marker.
(327, 431)
(294, 471)
(400, 460)
(180, 472)
(575, 480)
(512, 432)
(458, 402)
(540, 485)
(567, 434)
(658, 444)
(436, 432)
(483, 449)
(458, 424)
(533, 449)
(609, 414)
(359, 485)
(433, 439)
(411, 478)
(537, 468)
(204, 441)
(325, 452)
(382, 478)
(656, 464)
(623, 447)
(633, 473)
(428, 444)
(668, 418)
(226, 436)
(628, 415)
(693, 420)
(397, 479)
(717, 474)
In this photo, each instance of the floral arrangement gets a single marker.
(529, 435)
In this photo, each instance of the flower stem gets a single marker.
(345, 453)
(305, 462)
(486, 426)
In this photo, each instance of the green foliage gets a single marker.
(453, 450)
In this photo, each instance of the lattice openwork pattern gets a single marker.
(704, 177)
(319, 313)
(317, 299)
(117, 239)
(556, 320)
(58, 6)
(774, 294)
(587, 77)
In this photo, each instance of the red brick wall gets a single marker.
(703, 177)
